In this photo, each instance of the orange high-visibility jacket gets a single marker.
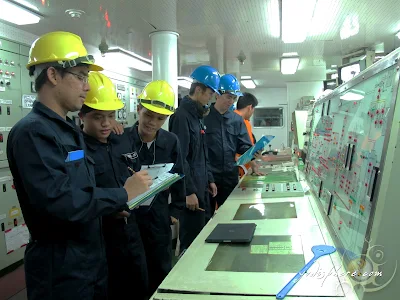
(249, 131)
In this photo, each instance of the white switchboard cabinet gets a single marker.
(353, 168)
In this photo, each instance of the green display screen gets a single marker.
(261, 211)
(270, 254)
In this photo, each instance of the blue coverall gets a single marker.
(187, 124)
(124, 248)
(62, 207)
(226, 136)
(154, 221)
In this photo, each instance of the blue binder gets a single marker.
(249, 154)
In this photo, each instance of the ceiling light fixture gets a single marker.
(245, 77)
(248, 84)
(129, 59)
(297, 16)
(18, 14)
(274, 22)
(398, 35)
(289, 63)
(351, 27)
(185, 82)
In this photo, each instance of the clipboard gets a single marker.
(161, 183)
(249, 154)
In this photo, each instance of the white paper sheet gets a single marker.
(155, 171)
(16, 238)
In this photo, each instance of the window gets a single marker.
(268, 117)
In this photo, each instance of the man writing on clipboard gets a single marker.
(157, 146)
(115, 160)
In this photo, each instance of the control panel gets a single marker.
(15, 86)
(128, 93)
(287, 189)
(349, 133)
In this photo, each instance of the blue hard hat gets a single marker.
(229, 85)
(208, 76)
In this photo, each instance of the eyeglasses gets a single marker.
(84, 79)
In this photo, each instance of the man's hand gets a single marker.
(173, 220)
(122, 214)
(192, 203)
(254, 168)
(116, 127)
(137, 184)
(213, 189)
(258, 155)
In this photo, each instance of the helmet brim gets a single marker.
(156, 109)
(94, 67)
(118, 104)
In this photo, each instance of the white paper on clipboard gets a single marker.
(155, 171)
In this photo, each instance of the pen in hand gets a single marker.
(131, 170)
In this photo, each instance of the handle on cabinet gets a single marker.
(347, 156)
(329, 108)
(372, 184)
(353, 147)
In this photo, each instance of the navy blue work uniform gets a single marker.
(226, 136)
(62, 207)
(124, 248)
(187, 124)
(154, 221)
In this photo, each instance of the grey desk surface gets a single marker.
(281, 245)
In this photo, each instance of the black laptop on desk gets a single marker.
(232, 233)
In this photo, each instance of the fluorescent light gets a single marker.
(325, 15)
(129, 59)
(185, 82)
(248, 84)
(289, 65)
(350, 27)
(17, 14)
(296, 19)
(290, 54)
(398, 35)
(353, 95)
(245, 77)
(273, 19)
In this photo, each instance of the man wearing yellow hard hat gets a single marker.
(115, 159)
(54, 178)
(158, 146)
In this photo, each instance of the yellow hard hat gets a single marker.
(158, 96)
(102, 94)
(61, 48)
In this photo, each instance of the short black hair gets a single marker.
(194, 86)
(42, 77)
(246, 100)
(86, 109)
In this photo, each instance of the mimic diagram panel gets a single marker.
(348, 133)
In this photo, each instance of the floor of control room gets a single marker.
(12, 285)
